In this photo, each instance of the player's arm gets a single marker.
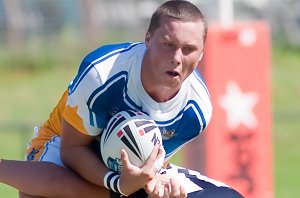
(77, 155)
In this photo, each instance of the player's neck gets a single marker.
(161, 94)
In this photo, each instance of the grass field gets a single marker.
(26, 98)
(286, 108)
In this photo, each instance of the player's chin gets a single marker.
(174, 83)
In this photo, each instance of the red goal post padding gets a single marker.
(238, 142)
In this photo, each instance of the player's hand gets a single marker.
(176, 190)
(134, 178)
(164, 186)
(156, 187)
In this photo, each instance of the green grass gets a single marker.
(12, 145)
(26, 100)
(27, 97)
(286, 96)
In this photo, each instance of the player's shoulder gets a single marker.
(106, 51)
(197, 83)
(111, 55)
(200, 94)
(103, 63)
(108, 59)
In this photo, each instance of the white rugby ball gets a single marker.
(133, 131)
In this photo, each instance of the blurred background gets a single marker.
(42, 44)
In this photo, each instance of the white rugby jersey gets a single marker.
(108, 81)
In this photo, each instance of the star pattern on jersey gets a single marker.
(239, 106)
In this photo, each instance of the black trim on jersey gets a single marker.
(184, 171)
(218, 192)
(204, 184)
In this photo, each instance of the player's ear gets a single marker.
(147, 38)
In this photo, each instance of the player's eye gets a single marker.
(168, 44)
(187, 50)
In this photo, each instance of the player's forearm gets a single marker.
(27, 176)
(84, 162)
(76, 153)
(6, 172)
(8, 169)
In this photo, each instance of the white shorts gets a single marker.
(49, 152)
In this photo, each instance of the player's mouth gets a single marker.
(173, 73)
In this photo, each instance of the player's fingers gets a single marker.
(151, 159)
(156, 159)
(154, 152)
(125, 159)
(177, 190)
(160, 158)
(167, 191)
(158, 190)
(149, 187)
(152, 165)
(183, 193)
(161, 152)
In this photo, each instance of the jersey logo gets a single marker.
(113, 111)
(32, 153)
(166, 135)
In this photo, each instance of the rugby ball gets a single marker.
(133, 131)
